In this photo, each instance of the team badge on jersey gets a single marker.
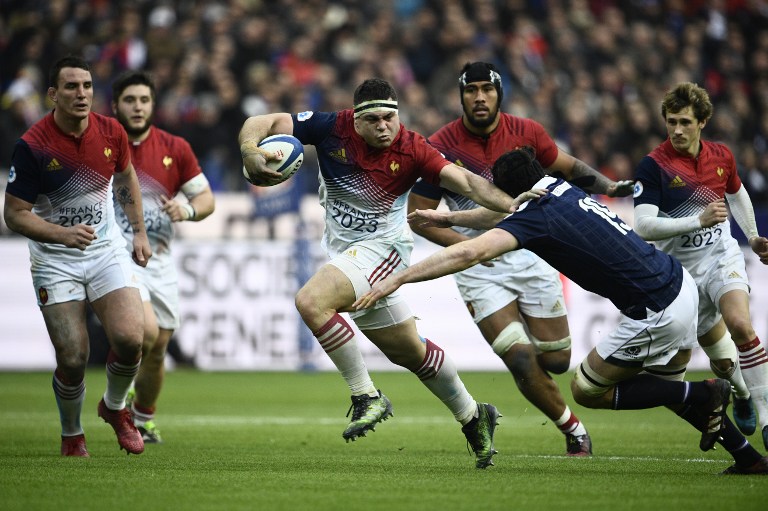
(303, 116)
(720, 171)
(12, 175)
(167, 160)
(394, 167)
(43, 294)
(108, 153)
(638, 190)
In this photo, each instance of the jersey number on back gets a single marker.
(589, 204)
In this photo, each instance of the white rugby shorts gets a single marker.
(366, 263)
(87, 279)
(655, 340)
(727, 273)
(536, 287)
(158, 283)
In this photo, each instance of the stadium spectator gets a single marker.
(542, 50)
(165, 166)
(680, 195)
(641, 363)
(532, 302)
(368, 163)
(59, 196)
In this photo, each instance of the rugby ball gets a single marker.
(290, 154)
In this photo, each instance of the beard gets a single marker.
(481, 123)
(130, 129)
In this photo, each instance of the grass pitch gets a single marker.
(273, 441)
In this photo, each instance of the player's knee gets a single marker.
(513, 334)
(72, 363)
(553, 356)
(556, 362)
(302, 301)
(588, 388)
(520, 360)
(722, 356)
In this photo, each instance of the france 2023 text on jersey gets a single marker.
(364, 190)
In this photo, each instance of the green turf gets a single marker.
(273, 441)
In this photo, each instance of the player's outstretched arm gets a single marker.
(449, 260)
(588, 179)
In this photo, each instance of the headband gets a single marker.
(375, 105)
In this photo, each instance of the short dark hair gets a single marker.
(687, 94)
(374, 88)
(517, 171)
(68, 61)
(128, 78)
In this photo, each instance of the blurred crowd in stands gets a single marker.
(592, 72)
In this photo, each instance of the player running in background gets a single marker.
(641, 364)
(59, 195)
(523, 318)
(368, 163)
(680, 193)
(165, 166)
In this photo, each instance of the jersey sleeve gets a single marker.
(189, 165)
(647, 182)
(734, 181)
(24, 177)
(427, 190)
(124, 158)
(546, 149)
(311, 128)
(430, 160)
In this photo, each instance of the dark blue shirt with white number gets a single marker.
(593, 247)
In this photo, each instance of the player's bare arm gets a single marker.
(477, 188)
(447, 261)
(254, 130)
(587, 178)
(442, 237)
(478, 218)
(128, 195)
(20, 218)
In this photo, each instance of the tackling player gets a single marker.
(165, 165)
(641, 364)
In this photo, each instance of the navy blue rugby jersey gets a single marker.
(593, 247)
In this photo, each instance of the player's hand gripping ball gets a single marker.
(290, 154)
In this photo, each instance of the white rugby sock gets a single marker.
(569, 423)
(337, 338)
(439, 374)
(120, 376)
(754, 366)
(69, 399)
